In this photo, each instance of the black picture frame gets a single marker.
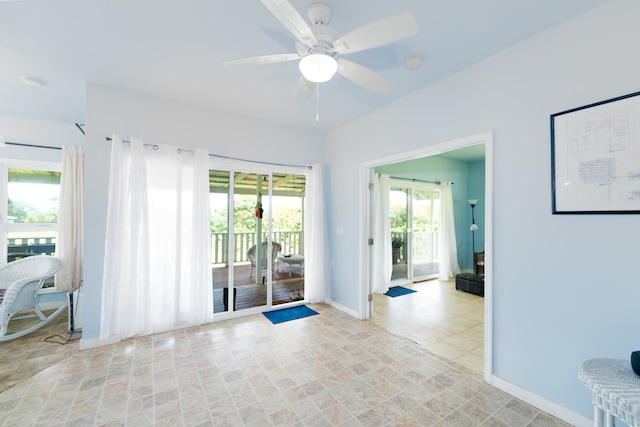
(595, 158)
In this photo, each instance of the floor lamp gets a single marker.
(473, 229)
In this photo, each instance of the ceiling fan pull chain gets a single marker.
(317, 102)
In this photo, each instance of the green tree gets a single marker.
(244, 213)
(19, 210)
(398, 218)
(285, 217)
(22, 212)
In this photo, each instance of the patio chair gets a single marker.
(251, 254)
(20, 281)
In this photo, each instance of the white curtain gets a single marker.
(70, 219)
(315, 229)
(381, 232)
(448, 250)
(157, 272)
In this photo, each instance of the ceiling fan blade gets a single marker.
(291, 20)
(377, 33)
(304, 90)
(363, 76)
(259, 60)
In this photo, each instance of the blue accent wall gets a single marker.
(468, 183)
(475, 190)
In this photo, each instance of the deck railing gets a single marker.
(20, 247)
(30, 241)
(425, 245)
(291, 241)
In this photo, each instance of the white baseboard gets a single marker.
(341, 307)
(86, 344)
(541, 403)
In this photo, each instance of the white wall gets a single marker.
(563, 286)
(24, 130)
(111, 111)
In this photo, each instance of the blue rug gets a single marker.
(291, 313)
(396, 291)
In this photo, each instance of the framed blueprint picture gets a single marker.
(595, 158)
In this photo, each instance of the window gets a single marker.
(30, 195)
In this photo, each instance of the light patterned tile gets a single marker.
(471, 361)
(284, 417)
(327, 370)
(511, 418)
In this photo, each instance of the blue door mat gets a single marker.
(291, 313)
(396, 291)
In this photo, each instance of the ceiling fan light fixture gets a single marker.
(318, 67)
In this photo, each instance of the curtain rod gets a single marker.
(155, 147)
(417, 180)
(32, 145)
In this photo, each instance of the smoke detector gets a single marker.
(32, 81)
(414, 61)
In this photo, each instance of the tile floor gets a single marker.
(449, 323)
(324, 370)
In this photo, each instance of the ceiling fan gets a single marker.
(320, 49)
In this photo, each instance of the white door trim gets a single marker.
(366, 170)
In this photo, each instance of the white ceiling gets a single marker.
(174, 49)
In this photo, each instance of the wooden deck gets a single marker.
(251, 294)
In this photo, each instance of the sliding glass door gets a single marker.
(425, 214)
(414, 213)
(398, 208)
(257, 239)
(287, 208)
(219, 191)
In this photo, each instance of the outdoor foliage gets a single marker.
(421, 217)
(22, 212)
(285, 216)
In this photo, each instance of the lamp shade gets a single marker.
(318, 67)
(473, 227)
(472, 202)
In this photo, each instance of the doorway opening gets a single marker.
(467, 189)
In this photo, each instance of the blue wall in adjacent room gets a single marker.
(469, 182)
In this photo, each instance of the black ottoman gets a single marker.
(472, 283)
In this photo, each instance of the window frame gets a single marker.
(8, 227)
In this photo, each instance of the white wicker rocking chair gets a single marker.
(20, 281)
(251, 254)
